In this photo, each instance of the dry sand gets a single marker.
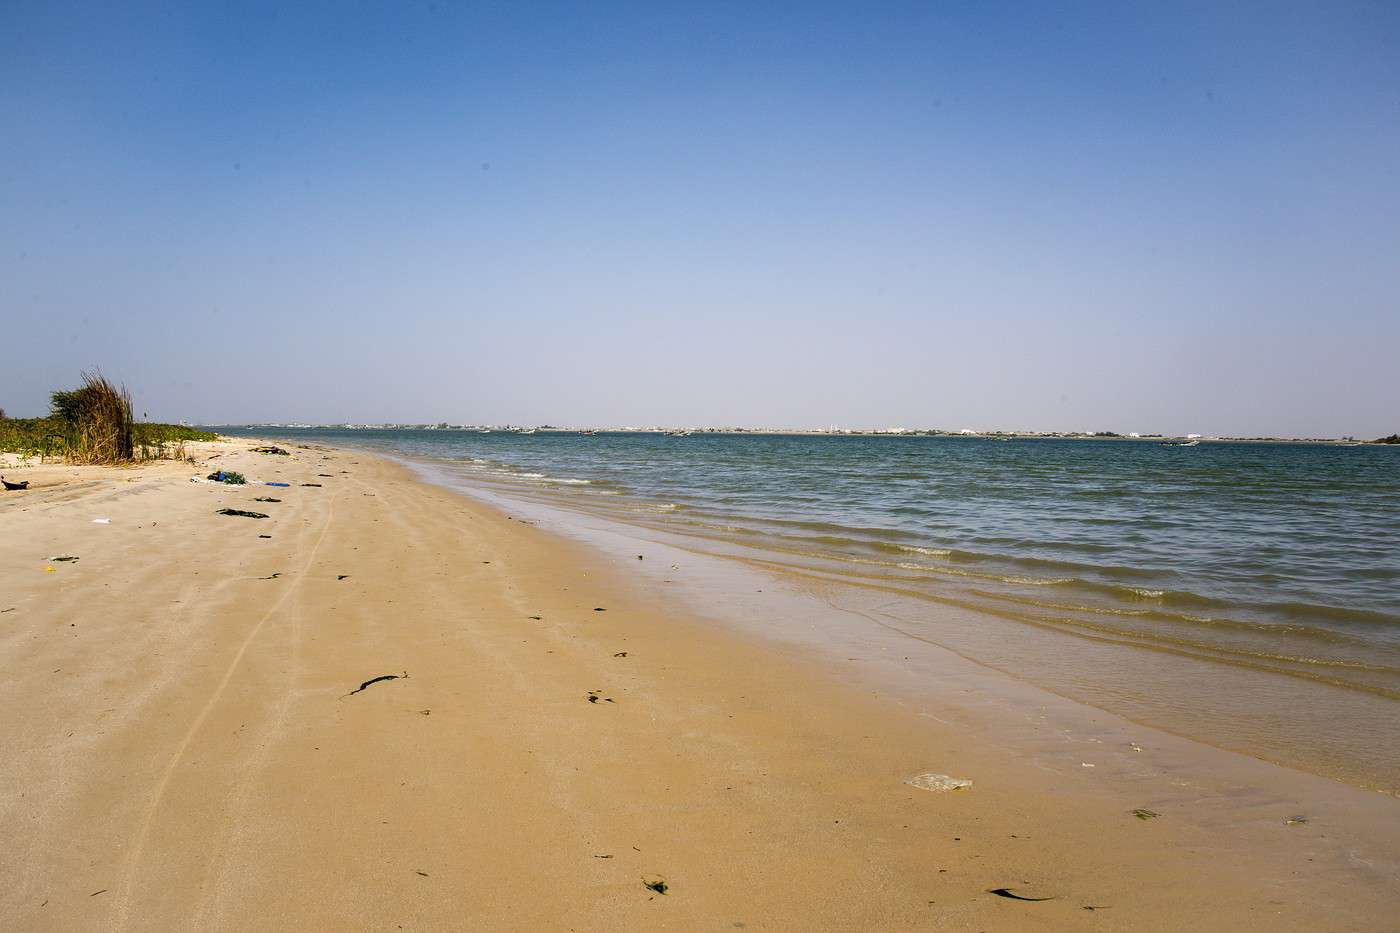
(182, 749)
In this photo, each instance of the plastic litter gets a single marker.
(14, 487)
(277, 484)
(241, 512)
(226, 476)
(102, 521)
(937, 782)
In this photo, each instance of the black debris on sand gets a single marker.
(375, 680)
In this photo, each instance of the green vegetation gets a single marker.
(93, 424)
(1393, 439)
(147, 436)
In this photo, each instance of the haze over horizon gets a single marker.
(1078, 217)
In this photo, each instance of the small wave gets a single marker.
(1068, 607)
(930, 551)
(1038, 581)
(819, 527)
(1271, 628)
(531, 475)
(574, 482)
(1332, 613)
(1015, 551)
(1139, 593)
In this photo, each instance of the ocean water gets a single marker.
(1247, 593)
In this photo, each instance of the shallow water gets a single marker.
(1247, 594)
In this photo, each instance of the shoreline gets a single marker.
(765, 788)
(1258, 706)
(730, 575)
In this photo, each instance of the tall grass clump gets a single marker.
(96, 421)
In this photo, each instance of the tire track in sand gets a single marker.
(122, 907)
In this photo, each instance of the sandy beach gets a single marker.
(563, 747)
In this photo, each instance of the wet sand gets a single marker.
(184, 749)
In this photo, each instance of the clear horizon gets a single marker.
(1175, 220)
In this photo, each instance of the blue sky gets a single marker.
(1168, 217)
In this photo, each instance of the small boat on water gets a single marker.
(588, 433)
(680, 434)
(1180, 444)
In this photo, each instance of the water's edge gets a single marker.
(1304, 685)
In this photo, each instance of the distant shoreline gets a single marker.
(797, 432)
